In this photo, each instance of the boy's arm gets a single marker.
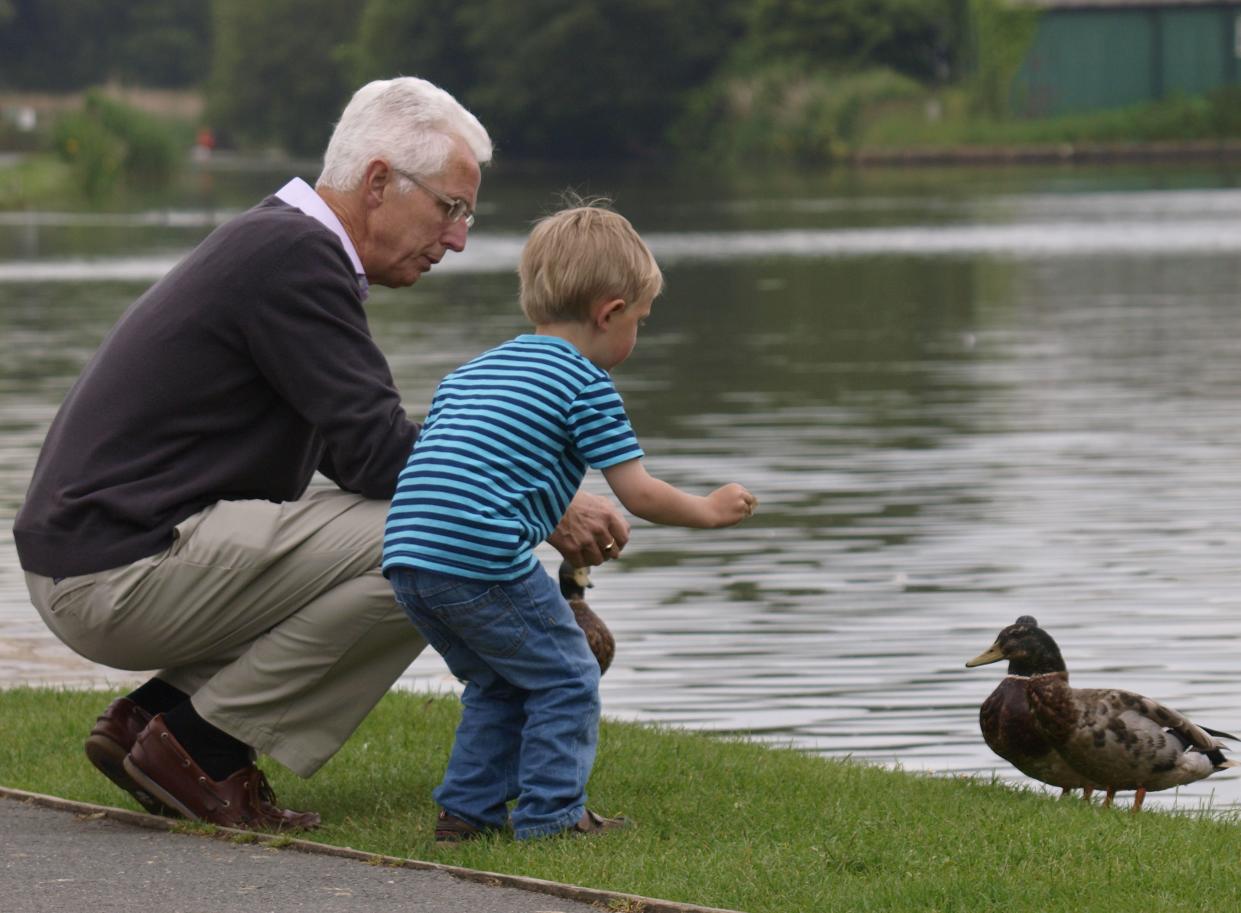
(652, 499)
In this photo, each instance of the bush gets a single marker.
(154, 148)
(107, 140)
(1225, 105)
(1180, 118)
(94, 152)
(787, 114)
(1003, 35)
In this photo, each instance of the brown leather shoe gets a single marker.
(114, 735)
(591, 824)
(158, 764)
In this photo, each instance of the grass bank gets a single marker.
(782, 114)
(940, 126)
(34, 179)
(721, 822)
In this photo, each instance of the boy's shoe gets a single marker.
(592, 823)
(114, 735)
(451, 829)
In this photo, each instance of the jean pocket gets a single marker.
(431, 629)
(488, 623)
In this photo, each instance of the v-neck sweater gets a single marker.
(238, 374)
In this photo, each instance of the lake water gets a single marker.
(961, 396)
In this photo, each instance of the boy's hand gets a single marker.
(731, 504)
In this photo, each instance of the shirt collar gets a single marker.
(300, 195)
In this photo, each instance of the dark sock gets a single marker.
(157, 696)
(217, 752)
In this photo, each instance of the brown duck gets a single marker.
(1115, 739)
(1008, 725)
(573, 584)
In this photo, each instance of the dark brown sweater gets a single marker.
(246, 368)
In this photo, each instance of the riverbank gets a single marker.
(1068, 153)
(26, 180)
(721, 822)
(40, 180)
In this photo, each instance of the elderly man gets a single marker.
(167, 525)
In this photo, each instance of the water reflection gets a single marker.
(956, 408)
(499, 252)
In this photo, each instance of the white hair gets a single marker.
(411, 123)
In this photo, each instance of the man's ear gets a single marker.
(378, 179)
(606, 309)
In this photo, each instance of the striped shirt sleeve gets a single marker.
(599, 428)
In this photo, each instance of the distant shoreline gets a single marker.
(184, 104)
(189, 105)
(908, 157)
(1051, 153)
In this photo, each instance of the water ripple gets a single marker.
(497, 253)
(947, 426)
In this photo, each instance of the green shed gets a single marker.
(1089, 55)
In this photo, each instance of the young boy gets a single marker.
(504, 448)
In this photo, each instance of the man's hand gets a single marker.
(591, 531)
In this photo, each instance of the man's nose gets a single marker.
(455, 235)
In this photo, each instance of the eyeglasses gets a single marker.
(455, 209)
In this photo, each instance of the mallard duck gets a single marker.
(1115, 739)
(573, 584)
(1008, 725)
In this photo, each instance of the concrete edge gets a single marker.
(606, 899)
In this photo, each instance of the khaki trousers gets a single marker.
(273, 617)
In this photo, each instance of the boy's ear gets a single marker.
(606, 309)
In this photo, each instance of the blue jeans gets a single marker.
(530, 719)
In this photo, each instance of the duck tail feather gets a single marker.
(1217, 759)
(1219, 735)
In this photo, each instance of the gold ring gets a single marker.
(611, 545)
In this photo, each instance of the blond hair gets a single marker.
(578, 256)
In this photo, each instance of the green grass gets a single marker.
(34, 179)
(722, 822)
(787, 113)
(904, 123)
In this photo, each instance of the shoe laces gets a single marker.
(263, 789)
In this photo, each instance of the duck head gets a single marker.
(574, 581)
(1027, 647)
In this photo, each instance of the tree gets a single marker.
(916, 37)
(58, 44)
(166, 43)
(72, 44)
(277, 70)
(592, 79)
(412, 38)
(550, 78)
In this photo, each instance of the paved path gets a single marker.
(77, 858)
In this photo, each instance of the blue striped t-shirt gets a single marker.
(503, 450)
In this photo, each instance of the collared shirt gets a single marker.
(301, 195)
